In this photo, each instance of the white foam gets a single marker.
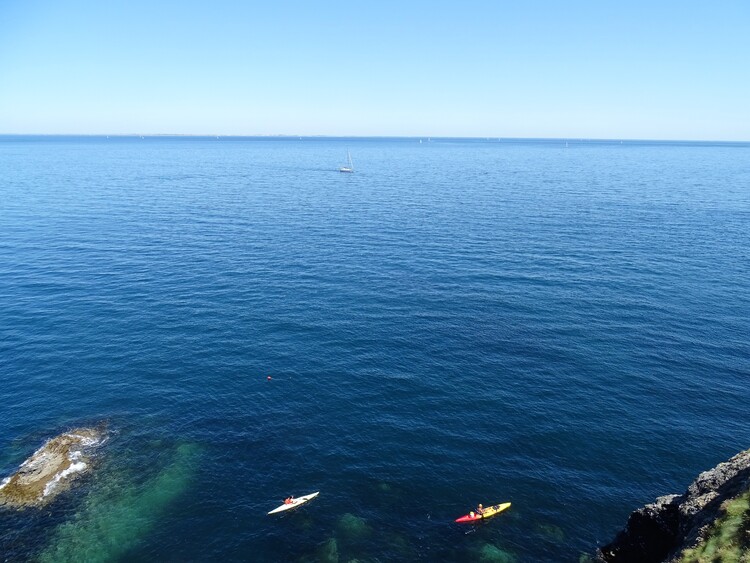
(86, 441)
(5, 482)
(74, 468)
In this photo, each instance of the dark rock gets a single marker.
(649, 535)
(706, 494)
(662, 530)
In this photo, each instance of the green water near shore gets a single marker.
(119, 512)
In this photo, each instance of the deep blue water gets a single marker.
(457, 322)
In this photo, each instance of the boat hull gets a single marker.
(296, 503)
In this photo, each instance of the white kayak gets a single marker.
(299, 501)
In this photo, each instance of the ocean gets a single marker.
(560, 324)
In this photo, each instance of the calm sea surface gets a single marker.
(457, 322)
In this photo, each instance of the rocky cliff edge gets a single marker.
(709, 522)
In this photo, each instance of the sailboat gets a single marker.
(350, 167)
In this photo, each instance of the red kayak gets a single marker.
(488, 512)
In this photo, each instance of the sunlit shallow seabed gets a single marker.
(120, 509)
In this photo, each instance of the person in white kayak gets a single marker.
(289, 500)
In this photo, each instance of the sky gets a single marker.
(631, 69)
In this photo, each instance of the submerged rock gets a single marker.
(551, 532)
(353, 528)
(120, 510)
(490, 553)
(384, 487)
(401, 547)
(329, 552)
(51, 469)
(664, 530)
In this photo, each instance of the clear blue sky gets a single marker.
(594, 69)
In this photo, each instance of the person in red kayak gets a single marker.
(289, 500)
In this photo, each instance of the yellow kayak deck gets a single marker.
(487, 512)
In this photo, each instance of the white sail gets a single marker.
(350, 166)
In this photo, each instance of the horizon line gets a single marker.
(323, 136)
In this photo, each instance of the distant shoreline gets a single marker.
(424, 138)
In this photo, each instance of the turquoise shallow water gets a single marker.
(459, 321)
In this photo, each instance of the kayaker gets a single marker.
(289, 500)
(479, 510)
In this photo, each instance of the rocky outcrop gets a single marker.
(662, 531)
(51, 469)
